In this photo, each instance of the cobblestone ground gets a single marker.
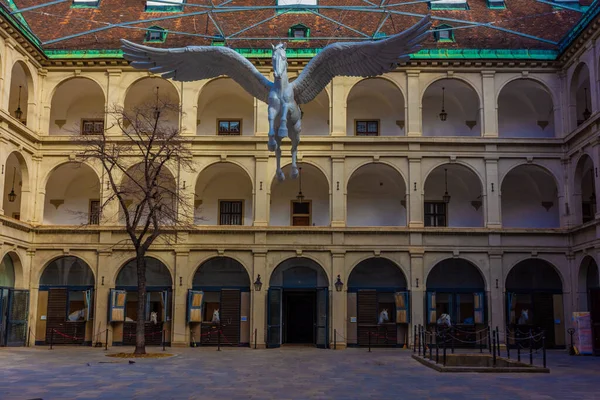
(287, 373)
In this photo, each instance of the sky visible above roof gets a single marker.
(255, 24)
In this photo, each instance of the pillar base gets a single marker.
(338, 346)
(259, 346)
(180, 344)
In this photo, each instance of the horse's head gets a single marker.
(279, 60)
(525, 314)
(216, 317)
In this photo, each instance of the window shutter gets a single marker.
(431, 308)
(478, 301)
(402, 308)
(165, 305)
(117, 305)
(147, 306)
(511, 299)
(88, 296)
(195, 298)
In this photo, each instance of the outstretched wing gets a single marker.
(198, 62)
(357, 59)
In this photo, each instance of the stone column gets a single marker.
(492, 193)
(189, 108)
(415, 193)
(261, 118)
(489, 106)
(110, 210)
(337, 107)
(417, 291)
(339, 302)
(36, 205)
(102, 298)
(113, 99)
(258, 322)
(179, 326)
(261, 200)
(596, 160)
(338, 193)
(495, 292)
(413, 101)
(4, 151)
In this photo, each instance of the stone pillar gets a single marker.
(113, 99)
(37, 200)
(179, 326)
(489, 106)
(338, 193)
(417, 291)
(189, 108)
(33, 295)
(495, 292)
(492, 194)
(414, 191)
(413, 101)
(563, 194)
(596, 161)
(258, 322)
(110, 210)
(4, 152)
(337, 107)
(339, 302)
(101, 298)
(261, 199)
(187, 189)
(261, 118)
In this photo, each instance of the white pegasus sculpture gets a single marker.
(363, 59)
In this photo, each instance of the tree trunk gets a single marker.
(140, 330)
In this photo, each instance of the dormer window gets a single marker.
(448, 5)
(443, 33)
(496, 4)
(85, 3)
(155, 34)
(299, 32)
(379, 35)
(164, 5)
(218, 41)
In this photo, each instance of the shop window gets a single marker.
(229, 127)
(301, 213)
(231, 212)
(435, 213)
(92, 126)
(366, 127)
(155, 34)
(94, 215)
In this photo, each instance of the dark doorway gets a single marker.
(299, 316)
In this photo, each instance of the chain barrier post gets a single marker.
(255, 333)
(444, 340)
(498, 340)
(480, 340)
(431, 346)
(219, 339)
(494, 350)
(414, 338)
(106, 341)
(369, 332)
(518, 342)
(51, 338)
(437, 355)
(452, 334)
(571, 331)
(544, 347)
(419, 335)
(489, 335)
(163, 340)
(335, 339)
(530, 348)
(28, 336)
(506, 341)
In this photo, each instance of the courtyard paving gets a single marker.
(286, 373)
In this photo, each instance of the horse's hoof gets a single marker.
(272, 145)
(294, 173)
(282, 132)
(280, 176)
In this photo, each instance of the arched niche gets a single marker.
(77, 107)
(287, 210)
(377, 100)
(221, 272)
(461, 104)
(7, 272)
(223, 196)
(72, 195)
(529, 198)
(377, 273)
(525, 109)
(224, 100)
(315, 116)
(16, 181)
(584, 195)
(580, 95)
(157, 274)
(466, 203)
(376, 196)
(67, 271)
(299, 272)
(21, 91)
(142, 95)
(588, 278)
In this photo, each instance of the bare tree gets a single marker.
(138, 167)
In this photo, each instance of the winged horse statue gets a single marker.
(362, 59)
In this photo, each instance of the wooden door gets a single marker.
(230, 316)
(366, 315)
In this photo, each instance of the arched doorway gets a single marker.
(65, 302)
(534, 300)
(456, 287)
(223, 285)
(297, 305)
(124, 303)
(376, 285)
(13, 306)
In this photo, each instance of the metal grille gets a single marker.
(435, 213)
(17, 323)
(230, 212)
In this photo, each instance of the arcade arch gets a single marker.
(225, 108)
(77, 107)
(588, 279)
(16, 186)
(142, 95)
(21, 91)
(584, 194)
(580, 95)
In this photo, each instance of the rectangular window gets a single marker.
(212, 302)
(296, 2)
(164, 6)
(301, 213)
(76, 308)
(444, 34)
(229, 127)
(367, 128)
(94, 216)
(435, 213)
(387, 301)
(85, 3)
(448, 5)
(231, 212)
(92, 126)
(155, 304)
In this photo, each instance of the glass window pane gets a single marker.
(361, 127)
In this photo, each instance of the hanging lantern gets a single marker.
(18, 112)
(446, 196)
(586, 113)
(12, 196)
(257, 284)
(443, 114)
(339, 285)
(300, 196)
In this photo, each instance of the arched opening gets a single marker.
(588, 282)
(315, 116)
(376, 197)
(378, 304)
(166, 197)
(223, 196)
(142, 95)
(72, 196)
(375, 107)
(584, 195)
(224, 286)
(225, 108)
(529, 198)
(77, 107)
(14, 303)
(455, 287)
(525, 109)
(290, 209)
(7, 282)
(581, 95)
(534, 300)
(16, 186)
(66, 302)
(450, 107)
(159, 288)
(453, 197)
(21, 90)
(298, 304)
